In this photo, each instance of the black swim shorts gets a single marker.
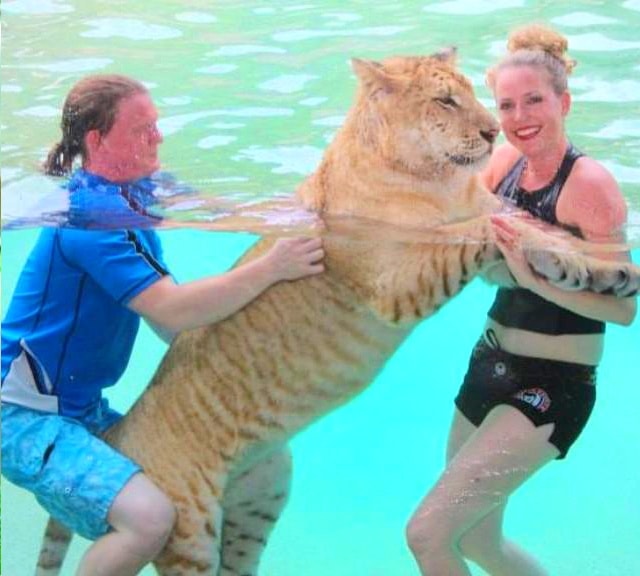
(546, 391)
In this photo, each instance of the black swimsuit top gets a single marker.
(521, 308)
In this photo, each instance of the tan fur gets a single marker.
(405, 228)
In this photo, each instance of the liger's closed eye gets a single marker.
(447, 102)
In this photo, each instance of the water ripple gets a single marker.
(177, 100)
(129, 28)
(243, 49)
(596, 42)
(70, 65)
(172, 124)
(597, 90)
(331, 121)
(289, 159)
(298, 8)
(36, 7)
(297, 35)
(7, 175)
(341, 18)
(10, 88)
(473, 7)
(580, 19)
(227, 125)
(622, 173)
(313, 101)
(215, 141)
(257, 112)
(619, 129)
(287, 83)
(196, 17)
(31, 197)
(588, 42)
(39, 111)
(217, 69)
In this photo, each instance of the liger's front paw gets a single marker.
(574, 272)
(622, 280)
(560, 270)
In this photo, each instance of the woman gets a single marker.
(74, 316)
(530, 387)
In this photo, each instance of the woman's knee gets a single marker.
(430, 531)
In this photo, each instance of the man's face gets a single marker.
(130, 149)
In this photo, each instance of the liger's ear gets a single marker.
(448, 55)
(372, 76)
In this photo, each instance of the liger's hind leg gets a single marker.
(252, 504)
(194, 546)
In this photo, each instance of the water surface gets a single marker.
(250, 93)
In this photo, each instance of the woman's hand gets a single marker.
(293, 258)
(597, 306)
(509, 241)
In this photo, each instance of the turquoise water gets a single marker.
(250, 93)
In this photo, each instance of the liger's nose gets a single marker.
(490, 135)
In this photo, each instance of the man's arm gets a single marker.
(175, 307)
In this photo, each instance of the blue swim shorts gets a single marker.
(73, 474)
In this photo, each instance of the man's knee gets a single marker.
(146, 513)
(157, 519)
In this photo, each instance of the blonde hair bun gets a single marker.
(539, 37)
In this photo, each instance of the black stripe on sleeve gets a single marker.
(140, 249)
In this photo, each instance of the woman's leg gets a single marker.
(142, 518)
(485, 543)
(494, 461)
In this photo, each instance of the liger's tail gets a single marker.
(55, 544)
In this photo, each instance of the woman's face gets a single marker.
(531, 114)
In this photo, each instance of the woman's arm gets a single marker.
(592, 202)
(597, 306)
(172, 307)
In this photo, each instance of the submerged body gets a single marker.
(227, 397)
(211, 429)
(56, 363)
(530, 386)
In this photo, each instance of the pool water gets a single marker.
(249, 94)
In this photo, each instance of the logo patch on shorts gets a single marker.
(536, 397)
